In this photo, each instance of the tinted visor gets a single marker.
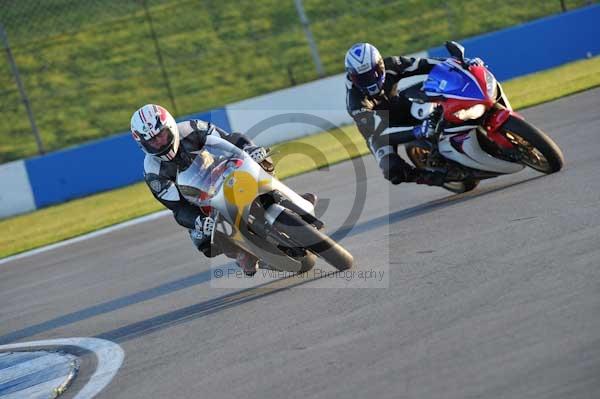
(159, 143)
(370, 82)
(366, 79)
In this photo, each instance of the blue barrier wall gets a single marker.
(97, 166)
(538, 45)
(116, 161)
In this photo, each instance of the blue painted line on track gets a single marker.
(35, 378)
(16, 358)
(37, 372)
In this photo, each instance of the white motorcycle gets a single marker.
(257, 212)
(482, 137)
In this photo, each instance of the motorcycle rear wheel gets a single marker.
(418, 156)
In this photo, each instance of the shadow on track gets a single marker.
(421, 209)
(192, 312)
(158, 291)
(108, 306)
(236, 298)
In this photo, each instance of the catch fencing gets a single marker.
(73, 70)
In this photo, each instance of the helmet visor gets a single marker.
(371, 82)
(160, 142)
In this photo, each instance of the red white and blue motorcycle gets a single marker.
(478, 135)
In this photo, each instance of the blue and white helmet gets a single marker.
(365, 68)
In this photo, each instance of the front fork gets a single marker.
(498, 115)
(494, 122)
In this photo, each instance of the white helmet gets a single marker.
(365, 68)
(155, 129)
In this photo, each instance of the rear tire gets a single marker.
(538, 140)
(416, 155)
(306, 236)
(459, 187)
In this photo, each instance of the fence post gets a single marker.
(451, 25)
(160, 57)
(309, 37)
(22, 92)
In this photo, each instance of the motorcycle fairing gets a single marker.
(450, 81)
(233, 195)
(464, 148)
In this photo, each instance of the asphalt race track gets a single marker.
(491, 294)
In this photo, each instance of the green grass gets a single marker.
(73, 218)
(540, 87)
(80, 216)
(87, 64)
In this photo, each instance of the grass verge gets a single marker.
(87, 64)
(60, 222)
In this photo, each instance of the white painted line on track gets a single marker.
(109, 358)
(94, 234)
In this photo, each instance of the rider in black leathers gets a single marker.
(382, 115)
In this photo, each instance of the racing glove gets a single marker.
(258, 154)
(204, 226)
(424, 130)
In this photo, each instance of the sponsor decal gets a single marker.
(363, 68)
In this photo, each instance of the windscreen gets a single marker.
(449, 80)
(204, 177)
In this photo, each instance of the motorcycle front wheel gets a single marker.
(304, 235)
(537, 150)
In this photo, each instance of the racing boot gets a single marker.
(427, 177)
(247, 262)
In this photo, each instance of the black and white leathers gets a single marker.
(385, 120)
(161, 175)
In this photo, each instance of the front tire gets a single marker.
(539, 151)
(308, 262)
(306, 236)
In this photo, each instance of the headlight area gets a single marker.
(474, 112)
(491, 85)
